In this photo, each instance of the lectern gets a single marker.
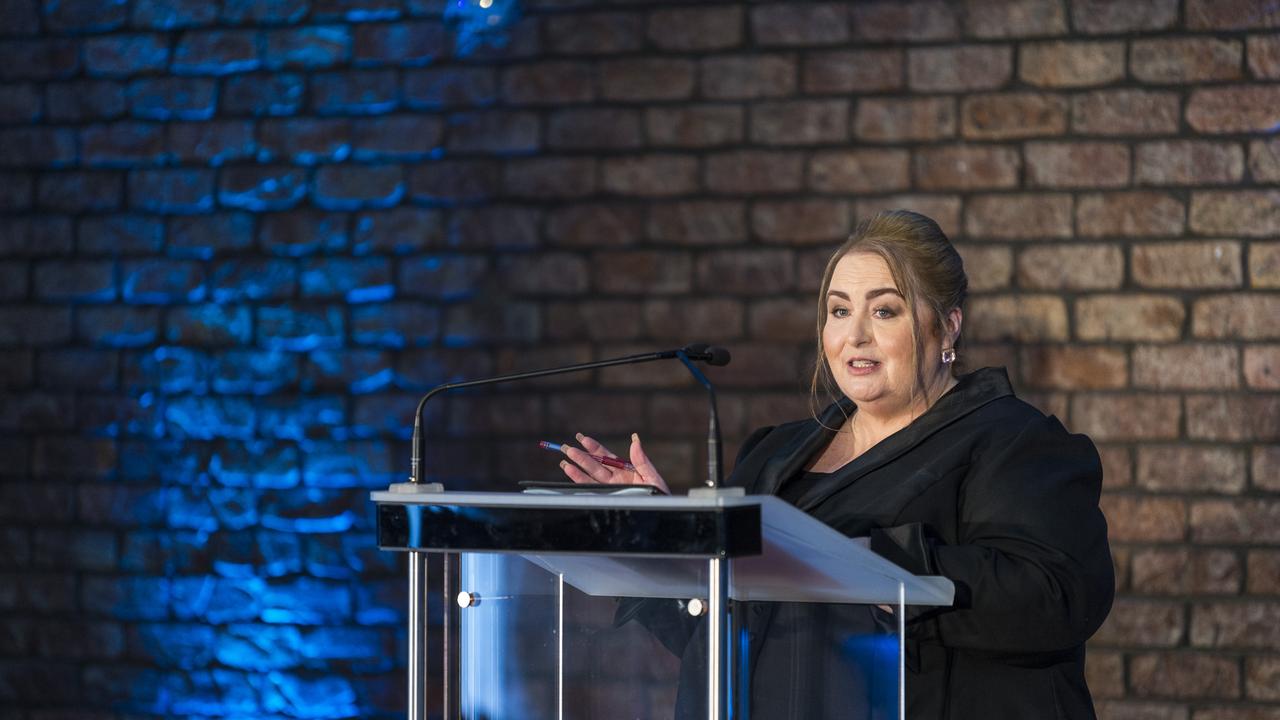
(540, 574)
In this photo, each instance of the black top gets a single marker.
(982, 489)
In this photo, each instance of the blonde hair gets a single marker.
(927, 270)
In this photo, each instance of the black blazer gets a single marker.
(982, 489)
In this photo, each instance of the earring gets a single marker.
(948, 356)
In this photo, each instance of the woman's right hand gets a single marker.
(583, 469)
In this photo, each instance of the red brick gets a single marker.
(1071, 267)
(323, 46)
(650, 175)
(1136, 518)
(20, 103)
(746, 272)
(1234, 109)
(121, 143)
(452, 87)
(1252, 213)
(742, 77)
(711, 319)
(1106, 17)
(1071, 64)
(495, 131)
(1186, 367)
(781, 319)
(800, 122)
(1015, 18)
(73, 191)
(1264, 264)
(1081, 164)
(959, 68)
(1125, 112)
(347, 187)
(396, 136)
(1074, 367)
(989, 267)
(750, 172)
(909, 20)
(1185, 60)
(1234, 417)
(944, 209)
(696, 28)
(1264, 160)
(1237, 316)
(549, 177)
(1252, 625)
(1264, 56)
(593, 129)
(1137, 213)
(1019, 216)
(543, 274)
(42, 59)
(768, 365)
(899, 120)
(966, 167)
(1142, 623)
(399, 43)
(1237, 712)
(698, 222)
(860, 171)
(800, 221)
(1189, 162)
(1182, 571)
(694, 125)
(853, 71)
(1026, 318)
(215, 52)
(453, 181)
(594, 33)
(594, 319)
(594, 225)
(1184, 675)
(1262, 678)
(1215, 264)
(211, 142)
(807, 24)
(659, 273)
(1231, 14)
(494, 226)
(1104, 674)
(1263, 569)
(1246, 521)
(1262, 366)
(1129, 317)
(306, 140)
(1006, 116)
(646, 79)
(548, 83)
(1140, 416)
(1189, 468)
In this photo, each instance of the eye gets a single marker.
(883, 313)
(839, 312)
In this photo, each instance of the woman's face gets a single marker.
(867, 337)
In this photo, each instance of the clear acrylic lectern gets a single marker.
(567, 604)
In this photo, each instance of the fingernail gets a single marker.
(579, 436)
(563, 463)
(635, 437)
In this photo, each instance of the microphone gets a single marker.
(718, 356)
(700, 352)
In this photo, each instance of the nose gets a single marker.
(859, 331)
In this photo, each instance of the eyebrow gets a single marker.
(871, 294)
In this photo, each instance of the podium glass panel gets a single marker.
(534, 647)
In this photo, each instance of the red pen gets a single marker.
(612, 462)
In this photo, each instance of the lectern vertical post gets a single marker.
(719, 650)
(417, 635)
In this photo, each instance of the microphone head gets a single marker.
(717, 356)
(709, 354)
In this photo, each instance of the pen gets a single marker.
(612, 462)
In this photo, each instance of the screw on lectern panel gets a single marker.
(697, 607)
(468, 599)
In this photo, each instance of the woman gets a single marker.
(948, 474)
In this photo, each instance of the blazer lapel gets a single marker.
(973, 391)
(792, 455)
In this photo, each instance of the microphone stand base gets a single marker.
(410, 488)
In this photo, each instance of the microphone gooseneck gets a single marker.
(694, 352)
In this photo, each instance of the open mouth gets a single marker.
(863, 364)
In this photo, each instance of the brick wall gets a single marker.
(238, 239)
